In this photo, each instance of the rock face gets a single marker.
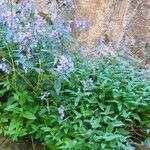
(119, 20)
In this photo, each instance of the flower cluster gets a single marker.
(105, 48)
(44, 95)
(148, 131)
(60, 27)
(88, 84)
(101, 44)
(30, 32)
(5, 68)
(83, 25)
(148, 144)
(3, 12)
(61, 111)
(22, 61)
(27, 7)
(68, 3)
(64, 64)
(24, 25)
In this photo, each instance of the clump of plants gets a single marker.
(59, 98)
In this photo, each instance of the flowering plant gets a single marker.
(61, 99)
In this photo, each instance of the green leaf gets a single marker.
(96, 123)
(76, 101)
(57, 85)
(29, 115)
(2, 92)
(46, 129)
(110, 128)
(136, 117)
(11, 107)
(4, 119)
(118, 124)
(112, 137)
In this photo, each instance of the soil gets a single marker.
(23, 144)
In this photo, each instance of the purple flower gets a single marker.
(59, 31)
(3, 19)
(61, 112)
(56, 34)
(22, 61)
(27, 7)
(3, 1)
(105, 49)
(83, 25)
(13, 21)
(88, 84)
(3, 12)
(58, 20)
(5, 68)
(64, 64)
(83, 49)
(125, 47)
(68, 3)
(44, 95)
(101, 44)
(148, 131)
(60, 27)
(40, 25)
(148, 144)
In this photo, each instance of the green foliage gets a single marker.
(96, 117)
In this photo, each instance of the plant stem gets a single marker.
(14, 70)
(62, 45)
(40, 75)
(33, 146)
(48, 106)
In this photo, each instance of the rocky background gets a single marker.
(125, 21)
(118, 21)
